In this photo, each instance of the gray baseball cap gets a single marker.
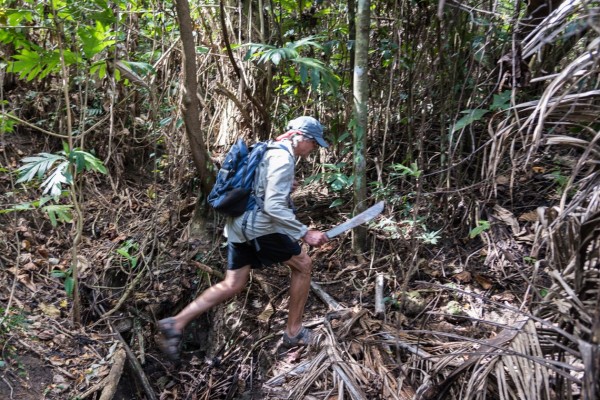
(309, 127)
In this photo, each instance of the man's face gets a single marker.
(305, 147)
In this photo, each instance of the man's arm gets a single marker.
(279, 182)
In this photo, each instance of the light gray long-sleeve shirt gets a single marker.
(273, 183)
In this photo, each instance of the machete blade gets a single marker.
(357, 220)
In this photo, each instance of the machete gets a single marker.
(355, 221)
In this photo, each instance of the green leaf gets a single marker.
(27, 65)
(37, 165)
(139, 68)
(17, 207)
(501, 101)
(336, 203)
(58, 213)
(470, 117)
(482, 225)
(15, 18)
(56, 273)
(69, 285)
(123, 251)
(53, 184)
(95, 39)
(99, 68)
(413, 170)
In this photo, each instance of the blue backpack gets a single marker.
(232, 193)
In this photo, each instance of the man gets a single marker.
(266, 235)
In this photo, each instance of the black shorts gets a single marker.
(262, 251)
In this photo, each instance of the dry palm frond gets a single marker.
(360, 367)
(557, 24)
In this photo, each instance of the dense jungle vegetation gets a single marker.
(476, 122)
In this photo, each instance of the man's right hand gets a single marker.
(315, 238)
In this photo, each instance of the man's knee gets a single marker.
(235, 281)
(233, 287)
(301, 263)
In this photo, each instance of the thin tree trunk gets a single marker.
(361, 98)
(191, 110)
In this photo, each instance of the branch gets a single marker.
(325, 297)
(30, 125)
(236, 68)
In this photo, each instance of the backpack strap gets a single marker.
(259, 201)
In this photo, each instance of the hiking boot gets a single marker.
(304, 338)
(169, 340)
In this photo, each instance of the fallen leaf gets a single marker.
(45, 335)
(82, 264)
(507, 217)
(506, 296)
(464, 277)
(25, 279)
(50, 310)
(502, 180)
(266, 314)
(526, 238)
(484, 282)
(530, 216)
(119, 238)
(43, 251)
(30, 267)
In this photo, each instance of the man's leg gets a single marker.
(234, 282)
(301, 266)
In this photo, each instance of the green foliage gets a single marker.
(90, 20)
(38, 166)
(334, 176)
(43, 163)
(560, 180)
(127, 251)
(55, 212)
(69, 282)
(403, 170)
(7, 124)
(482, 226)
(500, 102)
(470, 117)
(9, 322)
(302, 70)
(59, 171)
(530, 260)
(94, 39)
(430, 237)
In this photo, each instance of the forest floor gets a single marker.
(137, 264)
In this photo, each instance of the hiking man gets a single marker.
(267, 235)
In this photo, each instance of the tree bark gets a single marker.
(192, 107)
(361, 98)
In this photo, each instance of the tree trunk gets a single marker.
(191, 113)
(361, 97)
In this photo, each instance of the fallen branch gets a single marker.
(112, 380)
(206, 268)
(325, 297)
(379, 303)
(135, 366)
